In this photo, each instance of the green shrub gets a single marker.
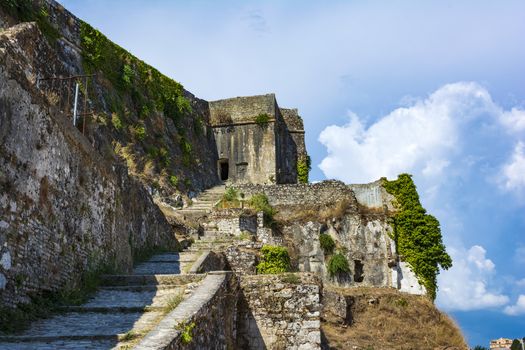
(274, 260)
(262, 119)
(304, 165)
(230, 195)
(338, 264)
(127, 75)
(259, 202)
(116, 121)
(139, 132)
(174, 180)
(417, 234)
(327, 243)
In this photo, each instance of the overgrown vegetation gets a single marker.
(337, 265)
(274, 260)
(259, 202)
(31, 11)
(327, 243)
(304, 165)
(230, 199)
(262, 120)
(136, 96)
(417, 234)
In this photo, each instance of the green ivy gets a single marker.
(304, 165)
(417, 234)
(275, 260)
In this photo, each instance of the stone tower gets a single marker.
(257, 142)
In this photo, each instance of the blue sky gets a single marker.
(433, 88)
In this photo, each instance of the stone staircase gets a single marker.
(203, 204)
(124, 309)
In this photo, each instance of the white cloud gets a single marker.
(466, 286)
(521, 282)
(425, 138)
(513, 172)
(514, 120)
(516, 309)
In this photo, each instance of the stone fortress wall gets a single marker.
(63, 209)
(359, 225)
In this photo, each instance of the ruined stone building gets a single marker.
(257, 141)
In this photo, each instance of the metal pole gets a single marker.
(75, 105)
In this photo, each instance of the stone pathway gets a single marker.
(124, 309)
(204, 203)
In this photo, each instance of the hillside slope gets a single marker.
(384, 319)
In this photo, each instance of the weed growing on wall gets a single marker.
(275, 260)
(262, 120)
(417, 234)
(327, 243)
(304, 165)
(186, 331)
(338, 264)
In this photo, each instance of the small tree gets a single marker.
(479, 347)
(516, 345)
(327, 243)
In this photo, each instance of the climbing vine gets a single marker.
(304, 165)
(417, 234)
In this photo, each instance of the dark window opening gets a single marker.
(223, 170)
(358, 271)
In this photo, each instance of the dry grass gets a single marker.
(394, 321)
(318, 213)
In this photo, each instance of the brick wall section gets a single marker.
(279, 312)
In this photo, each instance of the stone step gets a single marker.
(106, 300)
(157, 268)
(89, 325)
(142, 288)
(141, 280)
(82, 343)
(167, 257)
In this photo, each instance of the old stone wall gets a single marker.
(356, 217)
(249, 152)
(279, 312)
(230, 222)
(63, 209)
(208, 317)
(241, 109)
(321, 193)
(286, 151)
